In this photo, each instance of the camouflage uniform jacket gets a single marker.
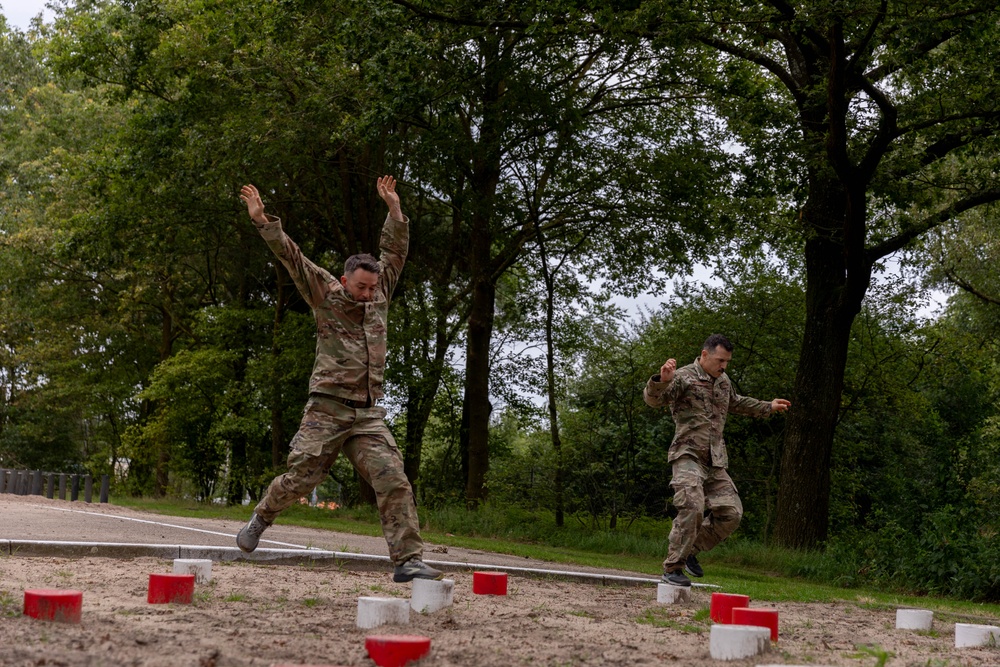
(699, 404)
(350, 335)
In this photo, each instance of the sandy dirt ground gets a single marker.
(257, 614)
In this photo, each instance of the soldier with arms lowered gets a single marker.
(700, 395)
(346, 383)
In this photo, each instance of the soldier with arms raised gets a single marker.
(346, 383)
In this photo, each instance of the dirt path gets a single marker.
(259, 615)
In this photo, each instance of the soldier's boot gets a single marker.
(693, 567)
(415, 569)
(676, 578)
(249, 536)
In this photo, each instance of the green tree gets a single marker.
(867, 124)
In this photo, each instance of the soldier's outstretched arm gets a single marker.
(255, 206)
(395, 240)
(312, 281)
(386, 186)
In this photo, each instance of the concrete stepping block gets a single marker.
(722, 605)
(373, 612)
(914, 619)
(166, 588)
(489, 583)
(48, 604)
(969, 634)
(762, 618)
(201, 569)
(429, 596)
(670, 594)
(735, 642)
(396, 650)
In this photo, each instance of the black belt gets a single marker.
(367, 403)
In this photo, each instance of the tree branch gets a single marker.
(914, 230)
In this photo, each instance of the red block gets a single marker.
(721, 609)
(763, 618)
(396, 650)
(62, 606)
(164, 588)
(489, 583)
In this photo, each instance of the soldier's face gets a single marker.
(360, 284)
(714, 362)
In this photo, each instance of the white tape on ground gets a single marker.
(171, 525)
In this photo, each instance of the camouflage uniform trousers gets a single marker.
(329, 427)
(698, 487)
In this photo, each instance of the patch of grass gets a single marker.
(9, 605)
(582, 614)
(881, 655)
(236, 597)
(310, 602)
(660, 617)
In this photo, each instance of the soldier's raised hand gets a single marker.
(387, 191)
(255, 207)
(667, 370)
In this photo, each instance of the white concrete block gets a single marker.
(429, 596)
(373, 612)
(670, 594)
(201, 569)
(968, 634)
(735, 642)
(914, 619)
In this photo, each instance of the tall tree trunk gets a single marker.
(477, 407)
(837, 278)
(278, 443)
(161, 478)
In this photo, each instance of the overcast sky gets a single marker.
(20, 12)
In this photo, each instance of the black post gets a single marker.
(105, 482)
(75, 487)
(88, 488)
(36, 483)
(3, 480)
(22, 482)
(50, 485)
(62, 486)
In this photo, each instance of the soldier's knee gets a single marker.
(728, 517)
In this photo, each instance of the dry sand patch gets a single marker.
(259, 615)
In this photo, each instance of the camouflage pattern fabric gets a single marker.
(329, 427)
(350, 335)
(699, 404)
(698, 487)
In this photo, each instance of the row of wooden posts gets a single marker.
(38, 483)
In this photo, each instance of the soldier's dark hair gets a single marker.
(714, 341)
(362, 261)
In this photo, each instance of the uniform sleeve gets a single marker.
(744, 405)
(393, 245)
(657, 394)
(312, 281)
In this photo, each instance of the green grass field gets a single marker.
(740, 566)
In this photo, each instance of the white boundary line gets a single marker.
(173, 525)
